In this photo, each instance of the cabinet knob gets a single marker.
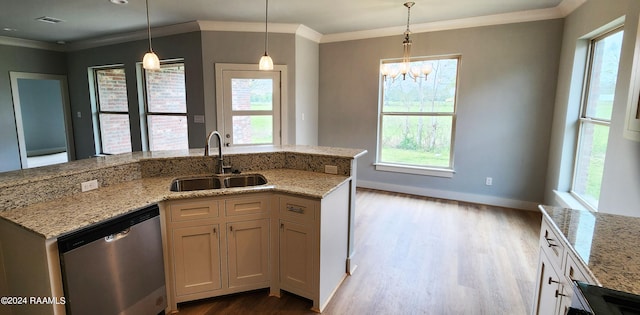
(282, 225)
(214, 231)
(231, 228)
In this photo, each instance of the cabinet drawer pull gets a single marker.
(552, 281)
(559, 294)
(299, 210)
(549, 242)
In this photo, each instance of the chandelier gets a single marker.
(405, 67)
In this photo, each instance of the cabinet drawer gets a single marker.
(186, 210)
(575, 271)
(551, 243)
(248, 205)
(297, 209)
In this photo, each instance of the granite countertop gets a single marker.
(607, 244)
(56, 217)
(36, 174)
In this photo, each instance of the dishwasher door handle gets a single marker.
(116, 236)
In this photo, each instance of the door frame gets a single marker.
(282, 69)
(66, 109)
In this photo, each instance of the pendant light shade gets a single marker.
(150, 60)
(266, 63)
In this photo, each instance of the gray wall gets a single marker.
(505, 106)
(307, 75)
(42, 116)
(621, 182)
(186, 46)
(21, 60)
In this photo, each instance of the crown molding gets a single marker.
(136, 35)
(565, 8)
(562, 10)
(27, 43)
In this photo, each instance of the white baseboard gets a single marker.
(451, 195)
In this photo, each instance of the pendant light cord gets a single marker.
(266, 31)
(148, 27)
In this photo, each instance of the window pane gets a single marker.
(252, 94)
(166, 89)
(114, 133)
(112, 90)
(603, 76)
(253, 129)
(435, 94)
(421, 141)
(590, 163)
(168, 132)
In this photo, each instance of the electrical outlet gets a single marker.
(90, 185)
(331, 169)
(488, 181)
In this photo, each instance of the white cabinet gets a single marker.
(558, 267)
(312, 245)
(217, 246)
(196, 253)
(222, 245)
(297, 240)
(248, 252)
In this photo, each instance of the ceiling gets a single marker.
(83, 19)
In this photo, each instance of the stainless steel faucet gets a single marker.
(220, 164)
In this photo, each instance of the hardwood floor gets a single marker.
(420, 255)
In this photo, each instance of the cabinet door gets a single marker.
(197, 259)
(548, 288)
(296, 257)
(248, 247)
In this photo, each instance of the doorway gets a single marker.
(250, 105)
(43, 122)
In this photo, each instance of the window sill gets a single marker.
(416, 170)
(567, 200)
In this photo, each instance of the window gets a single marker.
(417, 118)
(111, 111)
(166, 108)
(595, 116)
(250, 103)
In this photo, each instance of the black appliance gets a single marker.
(595, 300)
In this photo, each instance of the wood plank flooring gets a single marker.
(420, 255)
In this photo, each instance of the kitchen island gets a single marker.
(39, 205)
(591, 247)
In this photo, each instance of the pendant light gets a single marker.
(150, 60)
(266, 63)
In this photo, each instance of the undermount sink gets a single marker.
(217, 182)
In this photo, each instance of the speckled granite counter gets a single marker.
(48, 200)
(54, 218)
(607, 244)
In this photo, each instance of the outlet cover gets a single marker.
(331, 169)
(90, 185)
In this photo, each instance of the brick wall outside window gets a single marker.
(166, 94)
(113, 108)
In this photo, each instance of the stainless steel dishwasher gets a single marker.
(115, 267)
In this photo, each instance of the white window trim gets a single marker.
(418, 170)
(284, 107)
(446, 172)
